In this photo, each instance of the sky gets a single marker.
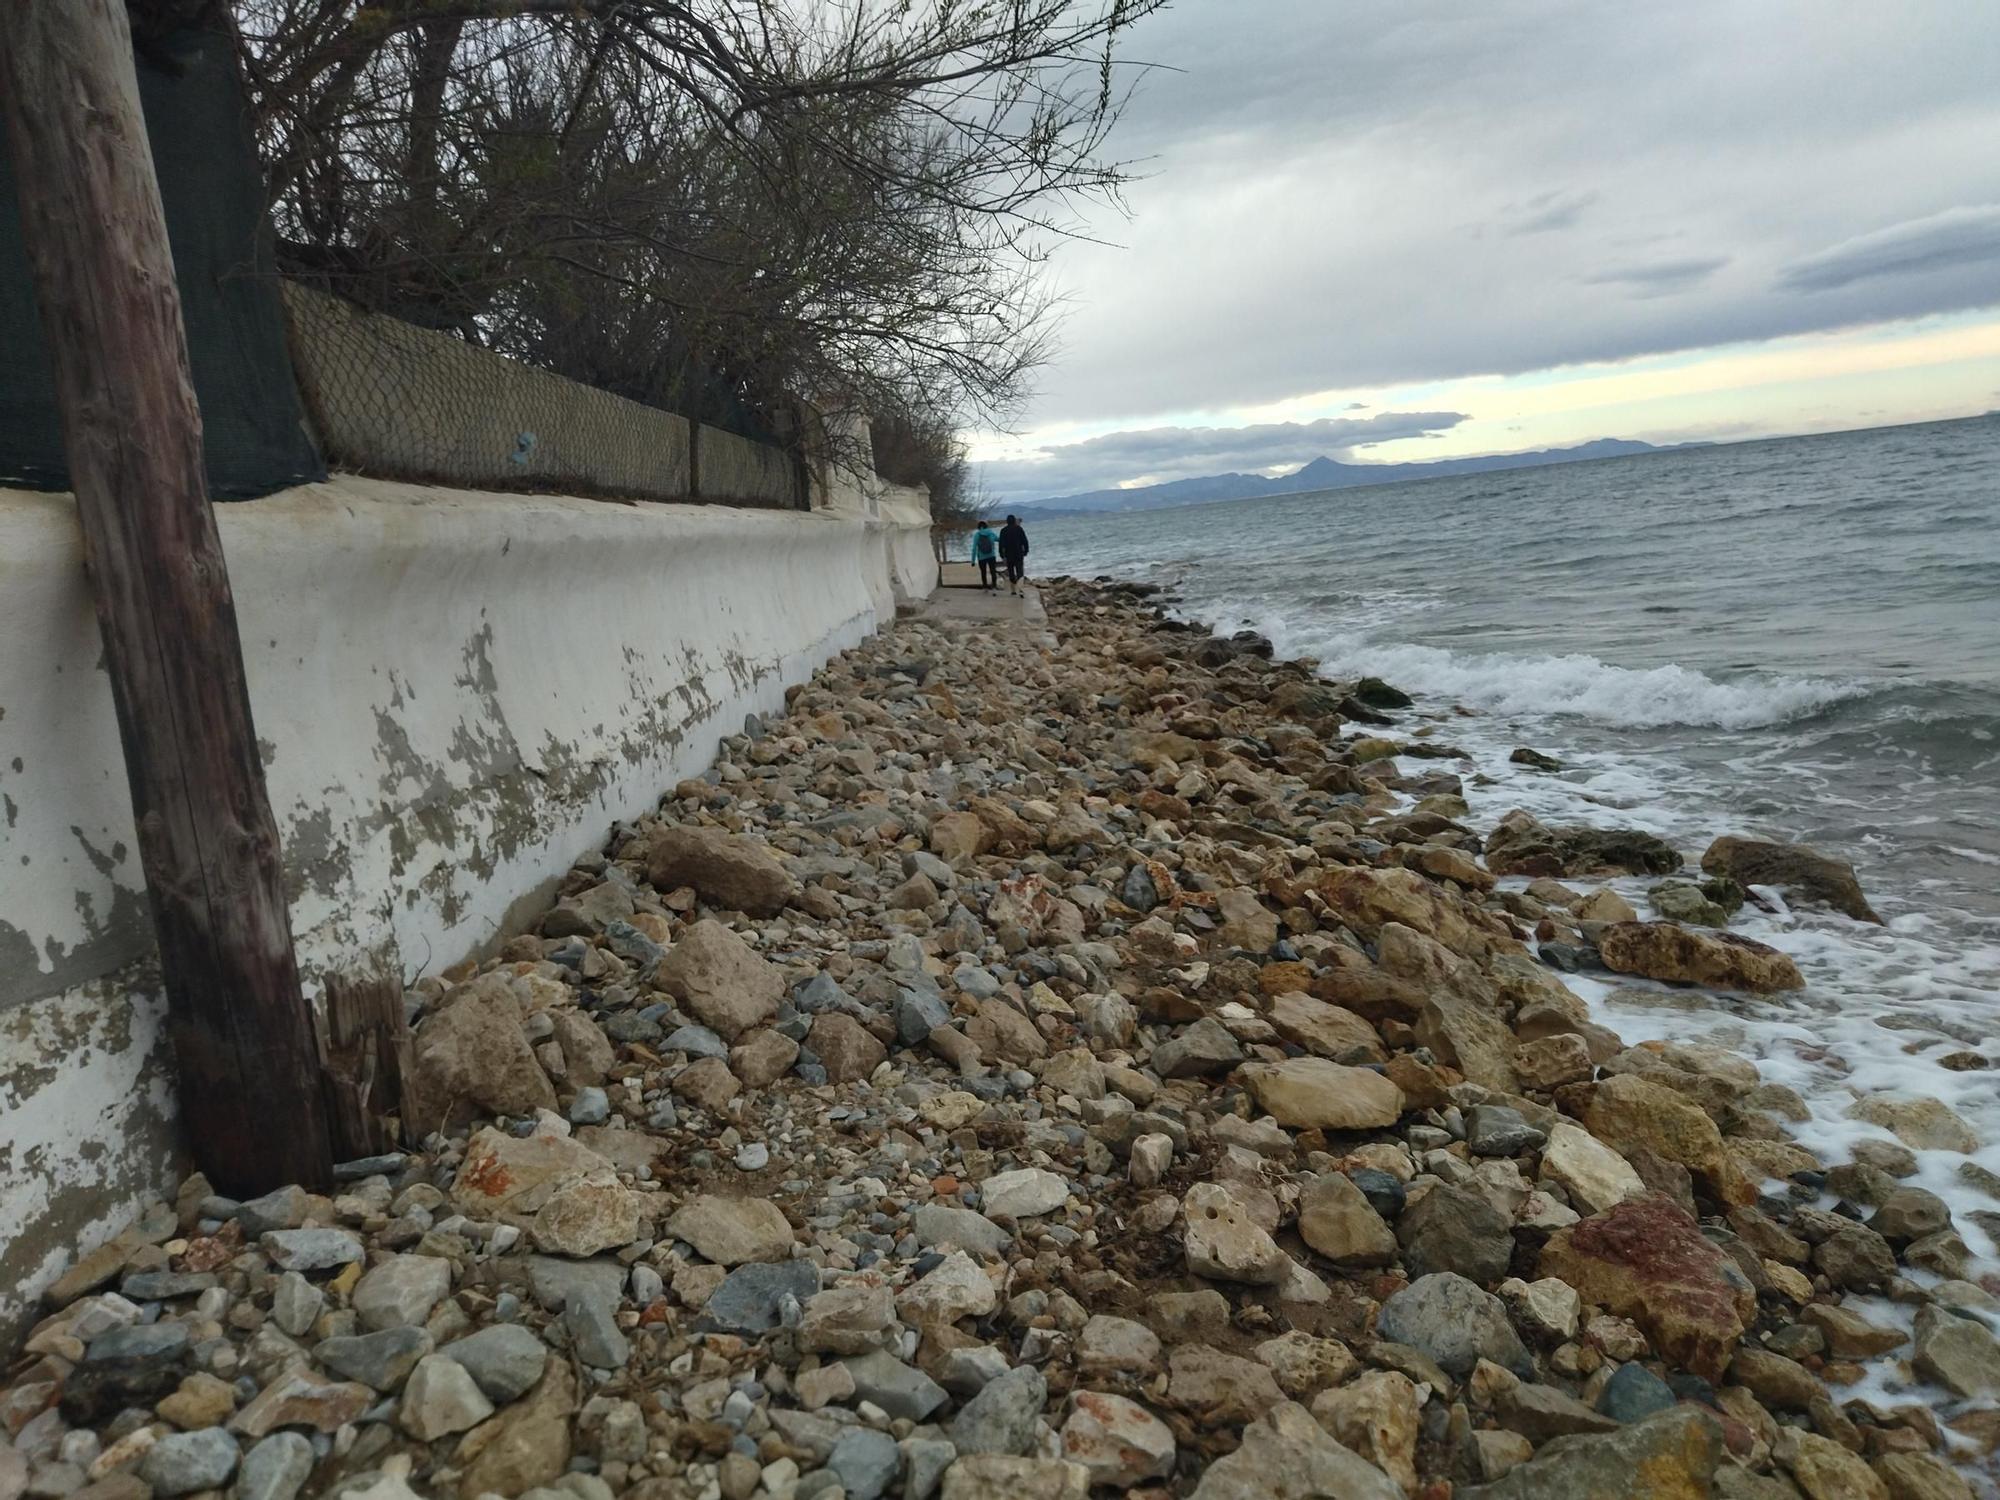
(1393, 230)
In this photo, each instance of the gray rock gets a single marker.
(276, 1469)
(184, 1462)
(282, 1208)
(1452, 1229)
(1634, 1393)
(897, 1388)
(555, 1280)
(696, 1041)
(918, 1014)
(440, 1399)
(1496, 1130)
(866, 1461)
(165, 1286)
(924, 1463)
(1956, 1352)
(1139, 890)
(594, 1333)
(381, 1361)
(1455, 1323)
(504, 1360)
(1205, 1047)
(1004, 1416)
(296, 1304)
(401, 1291)
(747, 1300)
(591, 1106)
(1677, 1452)
(311, 1249)
(139, 1341)
(823, 993)
(937, 1224)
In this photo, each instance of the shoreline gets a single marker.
(1043, 1058)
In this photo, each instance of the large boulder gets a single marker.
(1522, 846)
(725, 869)
(714, 973)
(1808, 876)
(1647, 1260)
(1631, 1114)
(1670, 1456)
(472, 1058)
(1681, 955)
(1309, 1093)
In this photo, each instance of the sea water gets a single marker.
(1796, 640)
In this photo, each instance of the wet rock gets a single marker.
(1681, 955)
(1454, 1323)
(1855, 1258)
(1957, 1352)
(728, 871)
(1921, 1122)
(1520, 845)
(1808, 877)
(1910, 1213)
(1646, 1259)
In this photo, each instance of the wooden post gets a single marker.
(250, 1091)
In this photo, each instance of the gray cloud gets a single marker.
(1941, 241)
(1312, 167)
(1559, 208)
(1661, 278)
(1162, 453)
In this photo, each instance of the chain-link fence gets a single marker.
(390, 399)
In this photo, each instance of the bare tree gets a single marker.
(711, 204)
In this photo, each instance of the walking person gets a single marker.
(986, 552)
(1014, 553)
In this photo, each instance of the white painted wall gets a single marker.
(457, 692)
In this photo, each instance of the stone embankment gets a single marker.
(1042, 1064)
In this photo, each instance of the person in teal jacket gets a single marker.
(986, 552)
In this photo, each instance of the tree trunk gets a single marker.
(96, 242)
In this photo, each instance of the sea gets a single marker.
(1796, 639)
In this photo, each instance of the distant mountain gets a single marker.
(1325, 474)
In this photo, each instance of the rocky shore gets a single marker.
(1102, 1059)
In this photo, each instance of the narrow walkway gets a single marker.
(979, 607)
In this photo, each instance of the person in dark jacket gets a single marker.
(986, 552)
(1014, 553)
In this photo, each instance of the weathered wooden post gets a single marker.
(250, 1087)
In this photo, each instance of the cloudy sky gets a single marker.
(1401, 229)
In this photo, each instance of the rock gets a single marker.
(1000, 1476)
(1781, 1384)
(183, 1462)
(1496, 1130)
(504, 1360)
(733, 1231)
(1205, 1047)
(1809, 876)
(1682, 955)
(1593, 1175)
(299, 1398)
(894, 1386)
(1311, 1093)
(1454, 1323)
(728, 871)
(1246, 923)
(1452, 1229)
(1849, 1335)
(1004, 1416)
(1465, 1033)
(1150, 1157)
(440, 1398)
(855, 1319)
(1023, 1194)
(956, 1288)
(1672, 1456)
(1520, 845)
(1684, 901)
(1337, 1220)
(1920, 1476)
(470, 1057)
(1002, 1033)
(1110, 1346)
(1286, 1455)
(1827, 1471)
(1548, 1308)
(310, 1249)
(281, 1208)
(940, 1226)
(1217, 1387)
(275, 1469)
(1647, 1260)
(1304, 1365)
(762, 1058)
(1956, 1352)
(1222, 1243)
(1910, 1213)
(400, 1291)
(845, 1048)
(867, 1462)
(594, 1334)
(1632, 1115)
(381, 1361)
(1366, 900)
(123, 1366)
(1634, 1393)
(723, 983)
(525, 1445)
(565, 1195)
(1552, 1061)
(1117, 1440)
(587, 1053)
(1376, 1416)
(1855, 1258)
(1921, 1122)
(750, 1297)
(1541, 1412)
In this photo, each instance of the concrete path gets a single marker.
(975, 606)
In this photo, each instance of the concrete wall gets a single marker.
(457, 693)
(735, 470)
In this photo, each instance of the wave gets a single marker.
(1580, 685)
